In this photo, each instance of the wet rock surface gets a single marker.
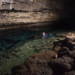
(66, 55)
(64, 64)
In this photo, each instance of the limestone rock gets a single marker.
(33, 67)
(64, 63)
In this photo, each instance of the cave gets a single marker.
(22, 23)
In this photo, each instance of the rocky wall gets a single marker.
(26, 17)
(54, 11)
(12, 19)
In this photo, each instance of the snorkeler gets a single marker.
(44, 35)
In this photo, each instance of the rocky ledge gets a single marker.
(57, 62)
(17, 19)
(28, 13)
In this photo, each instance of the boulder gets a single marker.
(33, 66)
(36, 64)
(64, 63)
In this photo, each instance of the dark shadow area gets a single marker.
(57, 69)
(11, 37)
(67, 14)
(15, 70)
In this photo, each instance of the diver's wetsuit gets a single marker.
(48, 36)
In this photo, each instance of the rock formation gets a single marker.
(34, 65)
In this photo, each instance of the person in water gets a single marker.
(44, 35)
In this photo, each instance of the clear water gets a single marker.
(9, 38)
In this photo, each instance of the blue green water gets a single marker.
(9, 38)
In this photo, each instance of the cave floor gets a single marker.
(25, 48)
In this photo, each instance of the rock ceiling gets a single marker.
(58, 9)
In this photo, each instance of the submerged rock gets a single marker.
(2, 49)
(37, 64)
(33, 66)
